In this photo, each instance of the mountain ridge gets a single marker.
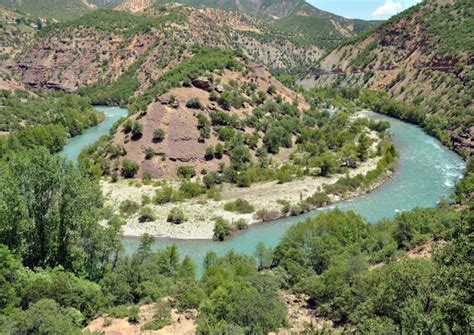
(423, 56)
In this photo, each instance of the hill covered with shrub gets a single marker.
(422, 57)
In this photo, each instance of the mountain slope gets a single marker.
(106, 45)
(306, 23)
(57, 9)
(16, 31)
(423, 56)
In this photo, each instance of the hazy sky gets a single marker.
(364, 9)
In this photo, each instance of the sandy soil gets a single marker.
(201, 211)
(182, 323)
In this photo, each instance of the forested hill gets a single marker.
(57, 9)
(295, 16)
(423, 56)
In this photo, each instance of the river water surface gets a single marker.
(78, 143)
(426, 172)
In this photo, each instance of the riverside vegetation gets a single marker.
(62, 263)
(247, 131)
(43, 120)
(56, 258)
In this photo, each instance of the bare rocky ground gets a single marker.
(183, 323)
(200, 212)
(78, 56)
(181, 146)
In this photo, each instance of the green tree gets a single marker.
(222, 228)
(158, 135)
(49, 210)
(129, 168)
(45, 317)
(9, 268)
(240, 156)
(263, 255)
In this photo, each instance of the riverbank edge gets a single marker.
(334, 199)
(363, 191)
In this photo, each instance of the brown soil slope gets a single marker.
(80, 53)
(423, 56)
(182, 145)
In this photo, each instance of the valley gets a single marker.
(235, 167)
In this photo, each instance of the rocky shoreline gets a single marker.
(200, 212)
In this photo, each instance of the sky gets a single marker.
(364, 9)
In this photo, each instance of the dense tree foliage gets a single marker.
(49, 210)
(72, 112)
(59, 268)
(356, 273)
(53, 137)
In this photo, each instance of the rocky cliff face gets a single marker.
(424, 56)
(84, 52)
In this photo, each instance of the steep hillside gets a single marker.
(216, 109)
(16, 31)
(297, 18)
(181, 127)
(56, 9)
(106, 45)
(424, 56)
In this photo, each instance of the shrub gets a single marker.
(127, 126)
(133, 314)
(213, 193)
(165, 195)
(176, 216)
(186, 172)
(194, 103)
(149, 153)
(137, 130)
(318, 199)
(213, 96)
(129, 168)
(271, 89)
(161, 318)
(239, 206)
(243, 179)
(128, 207)
(119, 311)
(114, 177)
(284, 176)
(222, 228)
(219, 151)
(209, 153)
(146, 177)
(190, 189)
(145, 200)
(158, 135)
(241, 224)
(146, 215)
(204, 133)
(211, 179)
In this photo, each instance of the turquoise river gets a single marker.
(426, 172)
